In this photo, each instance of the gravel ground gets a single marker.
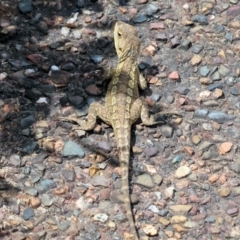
(57, 182)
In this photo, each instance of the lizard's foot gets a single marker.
(71, 119)
(81, 124)
(165, 116)
(166, 113)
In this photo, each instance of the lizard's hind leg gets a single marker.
(140, 109)
(95, 110)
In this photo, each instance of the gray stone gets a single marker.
(76, 101)
(185, 44)
(206, 155)
(153, 208)
(47, 200)
(100, 181)
(205, 187)
(96, 58)
(31, 191)
(235, 167)
(152, 9)
(35, 176)
(182, 90)
(72, 230)
(213, 86)
(220, 117)
(179, 132)
(230, 81)
(236, 191)
(145, 180)
(170, 99)
(26, 132)
(204, 146)
(176, 159)
(101, 217)
(45, 185)
(82, 111)
(25, 6)
(29, 147)
(139, 19)
(163, 212)
(237, 105)
(72, 149)
(207, 127)
(216, 76)
(234, 1)
(223, 70)
(229, 37)
(47, 88)
(120, 16)
(151, 151)
(193, 177)
(160, 36)
(27, 121)
(200, 19)
(156, 97)
(15, 160)
(69, 175)
(204, 71)
(28, 213)
(197, 48)
(106, 146)
(120, 217)
(175, 42)
(157, 179)
(64, 225)
(68, 66)
(234, 91)
(201, 113)
(33, 94)
(166, 131)
(219, 28)
(81, 3)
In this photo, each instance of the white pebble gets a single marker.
(3, 76)
(73, 19)
(65, 31)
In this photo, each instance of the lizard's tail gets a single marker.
(124, 156)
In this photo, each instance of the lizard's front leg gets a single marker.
(108, 73)
(95, 110)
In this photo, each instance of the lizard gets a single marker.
(123, 105)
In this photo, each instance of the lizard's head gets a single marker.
(126, 40)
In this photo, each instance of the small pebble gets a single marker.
(28, 213)
(145, 180)
(182, 172)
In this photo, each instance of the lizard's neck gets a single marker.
(128, 56)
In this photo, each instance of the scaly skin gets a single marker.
(123, 104)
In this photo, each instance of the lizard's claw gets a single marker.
(72, 119)
(166, 113)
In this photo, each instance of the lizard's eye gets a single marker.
(119, 34)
